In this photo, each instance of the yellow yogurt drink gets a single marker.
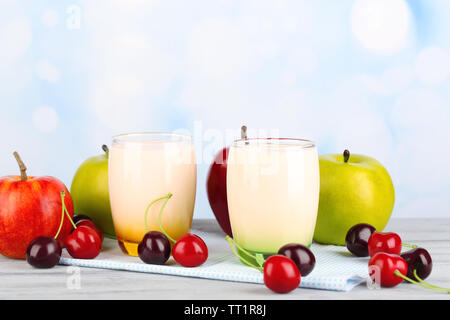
(144, 167)
(273, 192)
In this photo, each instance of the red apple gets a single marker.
(216, 187)
(31, 207)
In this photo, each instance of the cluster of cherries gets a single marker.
(155, 248)
(84, 242)
(388, 266)
(282, 271)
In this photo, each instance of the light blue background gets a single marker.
(371, 76)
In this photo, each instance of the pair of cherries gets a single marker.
(189, 251)
(388, 266)
(282, 271)
(84, 242)
(155, 248)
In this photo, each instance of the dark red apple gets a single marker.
(30, 207)
(216, 187)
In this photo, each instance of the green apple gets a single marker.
(353, 189)
(90, 192)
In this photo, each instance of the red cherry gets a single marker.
(190, 251)
(281, 274)
(382, 268)
(89, 223)
(83, 243)
(388, 242)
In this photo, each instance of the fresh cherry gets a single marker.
(89, 223)
(190, 251)
(384, 268)
(83, 243)
(390, 269)
(387, 242)
(301, 255)
(281, 274)
(44, 252)
(154, 248)
(357, 239)
(418, 260)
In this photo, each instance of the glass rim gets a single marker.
(295, 142)
(122, 137)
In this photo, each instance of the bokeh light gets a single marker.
(381, 26)
(371, 76)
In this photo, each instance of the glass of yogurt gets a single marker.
(144, 167)
(273, 189)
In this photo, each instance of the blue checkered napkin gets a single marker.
(335, 269)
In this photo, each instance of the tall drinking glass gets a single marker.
(273, 192)
(144, 167)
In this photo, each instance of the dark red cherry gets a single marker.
(43, 252)
(301, 255)
(78, 217)
(420, 260)
(154, 248)
(357, 239)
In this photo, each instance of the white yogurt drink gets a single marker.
(145, 167)
(273, 192)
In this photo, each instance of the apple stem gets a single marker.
(244, 133)
(167, 197)
(422, 283)
(23, 168)
(346, 155)
(106, 149)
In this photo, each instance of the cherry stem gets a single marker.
(232, 242)
(62, 214)
(159, 219)
(429, 284)
(67, 212)
(423, 285)
(409, 245)
(23, 168)
(167, 197)
(64, 210)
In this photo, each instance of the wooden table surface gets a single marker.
(20, 281)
